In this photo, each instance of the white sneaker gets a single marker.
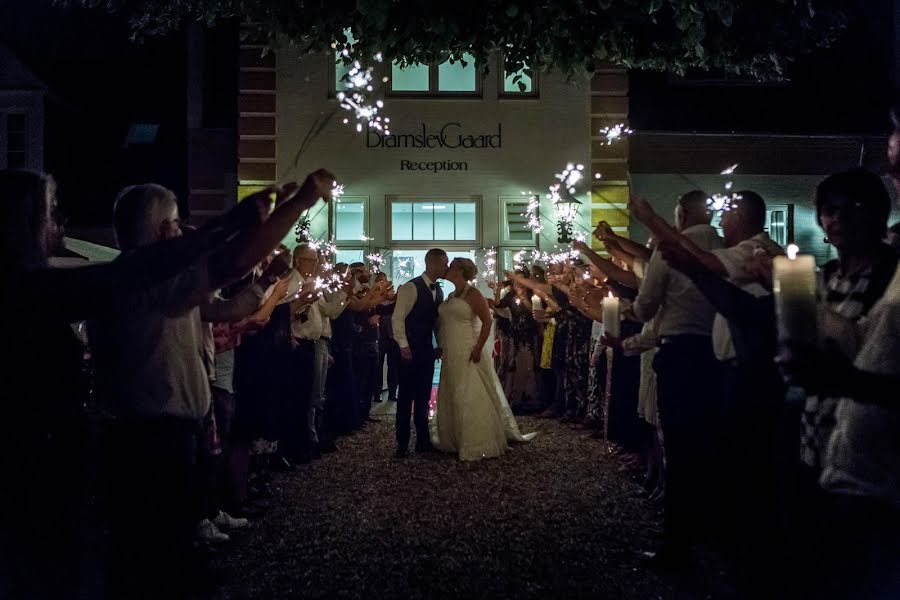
(207, 532)
(226, 521)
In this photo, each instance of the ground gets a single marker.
(554, 518)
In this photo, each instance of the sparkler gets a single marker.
(724, 202)
(615, 133)
(355, 99)
(490, 265)
(376, 260)
(337, 190)
(532, 212)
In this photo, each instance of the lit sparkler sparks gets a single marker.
(615, 133)
(355, 99)
(337, 190)
(490, 265)
(376, 260)
(570, 176)
(532, 212)
(724, 202)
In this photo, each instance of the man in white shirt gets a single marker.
(413, 322)
(685, 368)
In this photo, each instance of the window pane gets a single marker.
(413, 78)
(423, 221)
(466, 228)
(401, 221)
(443, 221)
(349, 220)
(456, 77)
(340, 69)
(512, 87)
(348, 256)
(517, 223)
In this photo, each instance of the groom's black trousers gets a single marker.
(416, 376)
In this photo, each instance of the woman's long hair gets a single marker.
(25, 195)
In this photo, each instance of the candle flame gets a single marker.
(792, 251)
(610, 295)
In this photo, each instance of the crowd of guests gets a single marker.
(216, 355)
(212, 357)
(783, 457)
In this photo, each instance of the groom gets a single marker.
(414, 319)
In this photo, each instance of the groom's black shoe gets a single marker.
(402, 453)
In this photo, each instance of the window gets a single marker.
(519, 84)
(453, 77)
(341, 69)
(780, 223)
(421, 221)
(349, 227)
(514, 221)
(13, 141)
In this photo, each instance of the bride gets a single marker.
(472, 417)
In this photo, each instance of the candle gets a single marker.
(536, 303)
(794, 284)
(611, 316)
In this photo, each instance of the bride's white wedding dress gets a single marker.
(472, 417)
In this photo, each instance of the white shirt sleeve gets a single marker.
(646, 340)
(333, 304)
(735, 259)
(406, 298)
(653, 288)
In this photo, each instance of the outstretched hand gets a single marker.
(640, 208)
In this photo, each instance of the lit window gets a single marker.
(349, 220)
(460, 75)
(444, 79)
(447, 220)
(414, 78)
(515, 228)
(780, 223)
(341, 69)
(519, 83)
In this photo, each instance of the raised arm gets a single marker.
(618, 246)
(607, 267)
(249, 248)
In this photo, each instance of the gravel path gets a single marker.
(551, 519)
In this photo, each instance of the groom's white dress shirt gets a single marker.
(406, 299)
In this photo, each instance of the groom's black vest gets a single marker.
(420, 320)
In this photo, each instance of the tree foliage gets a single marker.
(746, 38)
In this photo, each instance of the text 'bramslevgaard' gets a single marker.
(450, 136)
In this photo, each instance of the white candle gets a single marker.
(536, 303)
(794, 284)
(611, 316)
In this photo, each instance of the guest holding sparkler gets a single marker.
(149, 374)
(40, 530)
(684, 363)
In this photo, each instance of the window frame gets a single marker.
(788, 210)
(505, 240)
(332, 222)
(389, 201)
(434, 90)
(5, 113)
(534, 94)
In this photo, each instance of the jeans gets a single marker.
(317, 396)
